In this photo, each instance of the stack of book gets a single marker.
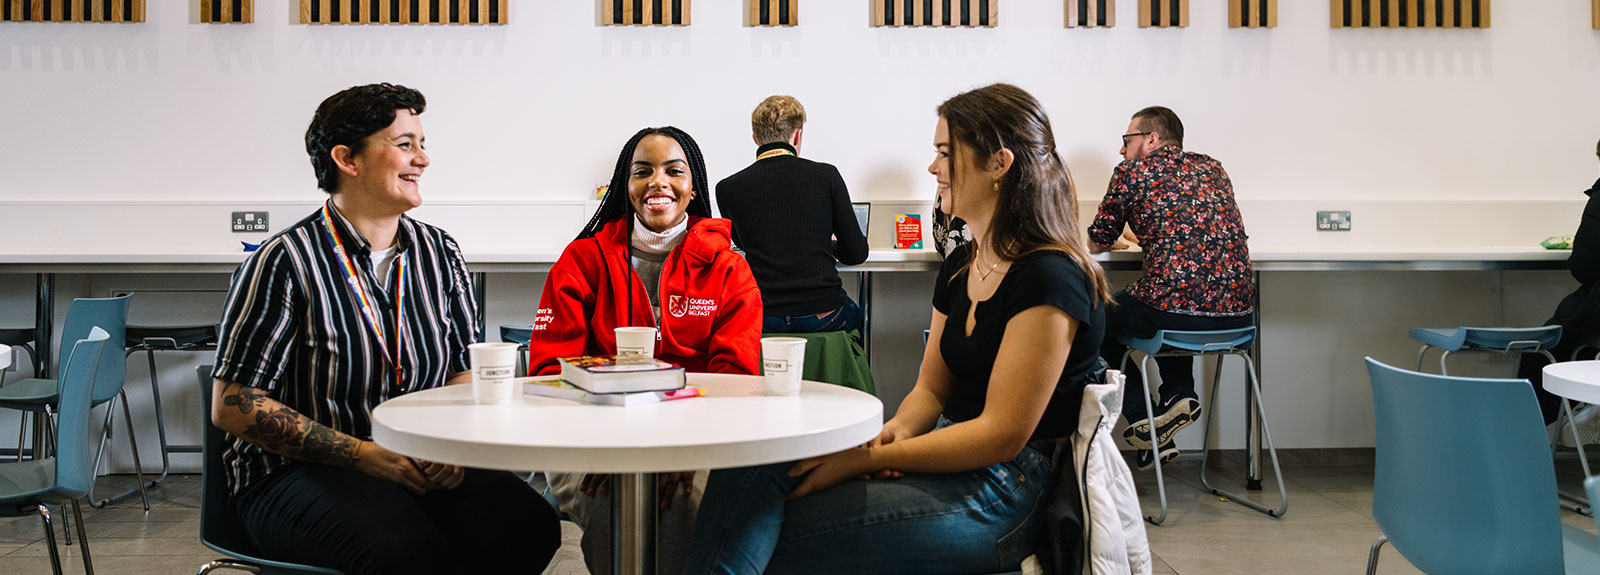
(605, 380)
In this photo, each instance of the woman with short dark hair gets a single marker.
(354, 305)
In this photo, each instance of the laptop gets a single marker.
(863, 215)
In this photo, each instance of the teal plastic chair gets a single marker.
(1464, 482)
(29, 487)
(1592, 485)
(1486, 340)
(1219, 343)
(35, 395)
(220, 530)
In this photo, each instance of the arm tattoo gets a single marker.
(279, 429)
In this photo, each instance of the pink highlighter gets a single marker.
(685, 393)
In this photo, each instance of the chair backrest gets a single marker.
(518, 334)
(1544, 337)
(1464, 482)
(74, 473)
(111, 315)
(219, 526)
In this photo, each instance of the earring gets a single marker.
(997, 185)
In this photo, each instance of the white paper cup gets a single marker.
(494, 367)
(636, 342)
(782, 361)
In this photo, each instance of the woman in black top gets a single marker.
(1578, 314)
(957, 477)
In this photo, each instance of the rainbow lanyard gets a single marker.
(359, 290)
(773, 153)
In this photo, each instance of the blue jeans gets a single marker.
(846, 318)
(980, 521)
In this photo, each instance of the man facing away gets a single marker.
(1197, 273)
(785, 210)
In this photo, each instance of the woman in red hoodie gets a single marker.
(651, 256)
(654, 257)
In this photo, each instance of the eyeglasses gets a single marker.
(1126, 136)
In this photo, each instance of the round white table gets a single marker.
(1574, 380)
(734, 424)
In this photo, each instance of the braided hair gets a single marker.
(616, 205)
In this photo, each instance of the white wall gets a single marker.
(173, 109)
(1302, 115)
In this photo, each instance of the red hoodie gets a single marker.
(710, 305)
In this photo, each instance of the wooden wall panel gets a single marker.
(227, 11)
(1095, 13)
(1252, 13)
(1596, 15)
(776, 12)
(1163, 13)
(471, 12)
(72, 10)
(936, 13)
(1409, 13)
(646, 12)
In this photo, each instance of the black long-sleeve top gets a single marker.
(1585, 259)
(784, 209)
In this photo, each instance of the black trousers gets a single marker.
(359, 524)
(1133, 318)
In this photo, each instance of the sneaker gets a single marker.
(1588, 418)
(1183, 412)
(1146, 459)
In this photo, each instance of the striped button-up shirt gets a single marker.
(292, 328)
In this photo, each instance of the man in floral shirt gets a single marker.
(1197, 273)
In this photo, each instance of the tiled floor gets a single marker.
(1327, 530)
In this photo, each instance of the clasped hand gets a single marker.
(414, 475)
(829, 470)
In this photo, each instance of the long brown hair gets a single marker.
(1037, 208)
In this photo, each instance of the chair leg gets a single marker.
(1149, 410)
(50, 439)
(138, 468)
(1372, 556)
(161, 424)
(1584, 506)
(1211, 410)
(1443, 368)
(99, 454)
(1266, 437)
(227, 564)
(22, 434)
(50, 539)
(1421, 353)
(83, 539)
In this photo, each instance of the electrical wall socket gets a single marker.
(1333, 221)
(244, 222)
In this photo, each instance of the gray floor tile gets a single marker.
(1328, 528)
(108, 565)
(121, 547)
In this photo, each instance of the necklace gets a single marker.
(983, 275)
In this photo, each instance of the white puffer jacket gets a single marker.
(1117, 543)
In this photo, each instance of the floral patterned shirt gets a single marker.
(1196, 254)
